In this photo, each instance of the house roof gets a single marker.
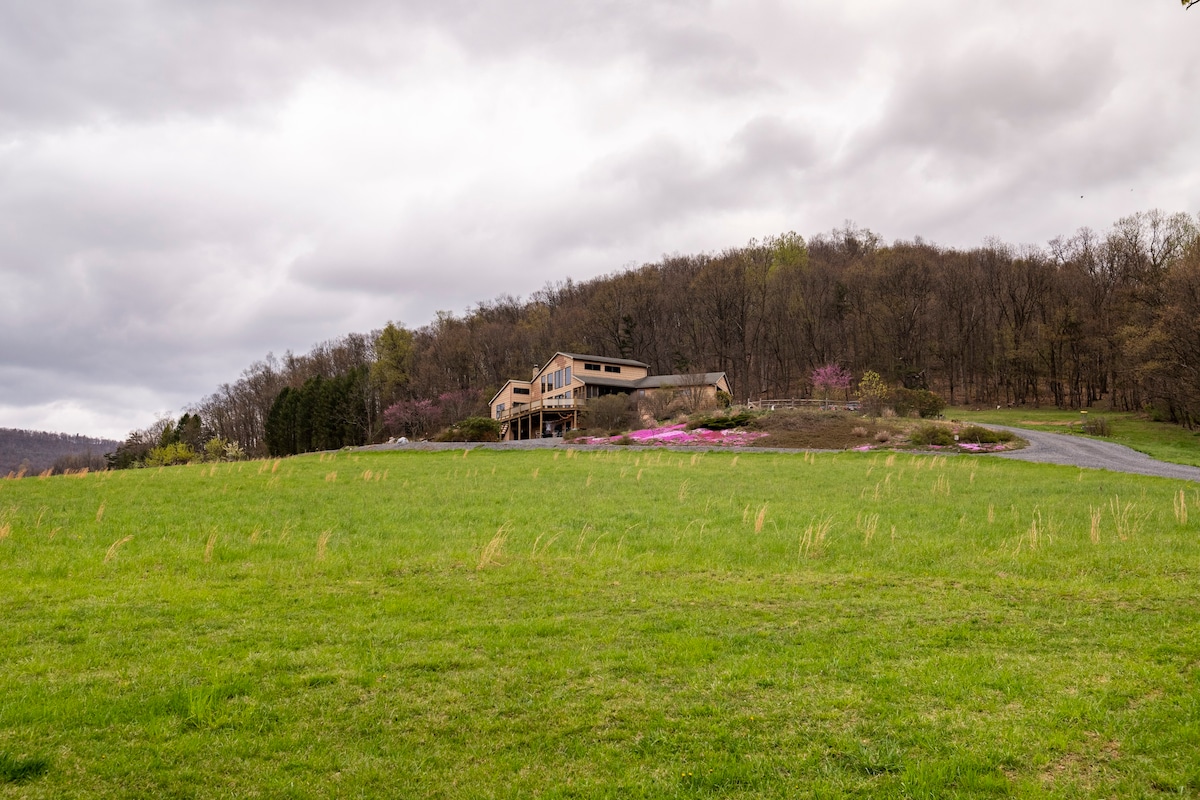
(655, 381)
(624, 362)
(599, 380)
(695, 379)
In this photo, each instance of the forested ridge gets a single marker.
(1096, 319)
(31, 452)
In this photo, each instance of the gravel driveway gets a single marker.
(1059, 448)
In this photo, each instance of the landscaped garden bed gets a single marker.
(815, 430)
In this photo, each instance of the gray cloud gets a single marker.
(187, 186)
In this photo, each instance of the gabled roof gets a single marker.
(505, 386)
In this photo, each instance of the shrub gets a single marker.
(472, 429)
(657, 403)
(218, 449)
(924, 402)
(613, 413)
(214, 449)
(1097, 426)
(932, 436)
(724, 399)
(873, 393)
(722, 422)
(858, 431)
(171, 454)
(981, 435)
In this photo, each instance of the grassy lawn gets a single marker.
(1161, 440)
(629, 624)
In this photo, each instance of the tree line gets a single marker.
(1096, 319)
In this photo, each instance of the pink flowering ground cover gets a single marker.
(973, 447)
(678, 434)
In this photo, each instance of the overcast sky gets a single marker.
(186, 186)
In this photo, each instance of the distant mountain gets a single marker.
(37, 451)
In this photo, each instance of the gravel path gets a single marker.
(1059, 448)
(1047, 448)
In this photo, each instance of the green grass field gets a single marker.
(1161, 440)
(619, 624)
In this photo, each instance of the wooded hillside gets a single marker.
(35, 451)
(1107, 319)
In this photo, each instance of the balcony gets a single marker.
(553, 404)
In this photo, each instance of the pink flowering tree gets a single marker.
(829, 379)
(414, 418)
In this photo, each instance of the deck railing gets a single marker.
(552, 404)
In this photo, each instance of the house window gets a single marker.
(612, 368)
(520, 390)
(558, 379)
(592, 367)
(567, 376)
(499, 410)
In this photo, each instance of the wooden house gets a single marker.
(550, 402)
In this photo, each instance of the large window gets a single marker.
(567, 376)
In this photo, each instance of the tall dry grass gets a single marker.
(112, 548)
(814, 539)
(1126, 518)
(490, 555)
(867, 525)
